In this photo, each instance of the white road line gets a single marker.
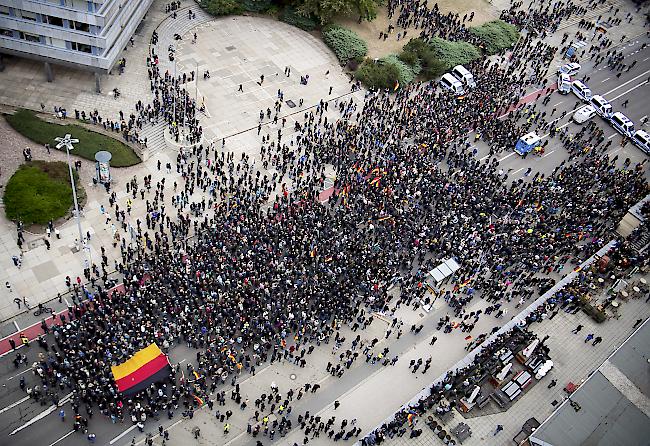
(605, 80)
(646, 59)
(21, 373)
(614, 151)
(547, 154)
(63, 438)
(122, 434)
(16, 325)
(627, 91)
(14, 404)
(38, 417)
(555, 105)
(507, 156)
(611, 136)
(66, 302)
(517, 171)
(624, 84)
(174, 425)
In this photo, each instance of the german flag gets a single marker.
(147, 366)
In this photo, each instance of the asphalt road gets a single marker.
(16, 411)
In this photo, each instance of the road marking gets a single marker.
(624, 84)
(122, 434)
(174, 425)
(21, 373)
(63, 438)
(547, 154)
(517, 171)
(38, 417)
(614, 151)
(507, 156)
(555, 105)
(603, 81)
(646, 59)
(16, 325)
(611, 136)
(66, 302)
(14, 404)
(627, 91)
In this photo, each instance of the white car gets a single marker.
(584, 114)
(570, 68)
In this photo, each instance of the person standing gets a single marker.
(498, 429)
(577, 329)
(598, 340)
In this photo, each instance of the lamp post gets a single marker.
(67, 142)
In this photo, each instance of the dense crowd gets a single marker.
(248, 267)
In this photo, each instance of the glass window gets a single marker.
(6, 33)
(80, 26)
(56, 21)
(81, 47)
(30, 37)
(28, 15)
(4, 10)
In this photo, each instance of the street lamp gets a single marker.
(67, 142)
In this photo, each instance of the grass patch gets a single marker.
(40, 191)
(31, 126)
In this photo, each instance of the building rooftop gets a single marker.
(612, 404)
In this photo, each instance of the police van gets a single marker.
(462, 74)
(622, 124)
(451, 83)
(641, 139)
(570, 69)
(581, 91)
(564, 84)
(602, 106)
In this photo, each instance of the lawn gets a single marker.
(40, 191)
(28, 124)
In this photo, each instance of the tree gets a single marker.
(325, 10)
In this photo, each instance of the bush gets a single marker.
(31, 126)
(406, 72)
(40, 191)
(496, 36)
(257, 6)
(345, 43)
(221, 7)
(292, 17)
(453, 53)
(418, 52)
(377, 75)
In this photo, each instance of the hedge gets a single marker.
(40, 191)
(345, 43)
(43, 132)
(418, 53)
(495, 36)
(453, 53)
(377, 75)
(221, 7)
(257, 6)
(406, 72)
(293, 17)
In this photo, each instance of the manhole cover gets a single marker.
(231, 48)
(293, 377)
(291, 104)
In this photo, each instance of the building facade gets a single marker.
(86, 34)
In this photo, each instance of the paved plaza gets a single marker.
(255, 53)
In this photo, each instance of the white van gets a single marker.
(451, 83)
(641, 139)
(581, 90)
(462, 74)
(564, 84)
(622, 124)
(570, 69)
(584, 114)
(602, 106)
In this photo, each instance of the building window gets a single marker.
(6, 33)
(81, 47)
(80, 26)
(56, 21)
(28, 15)
(4, 10)
(30, 37)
